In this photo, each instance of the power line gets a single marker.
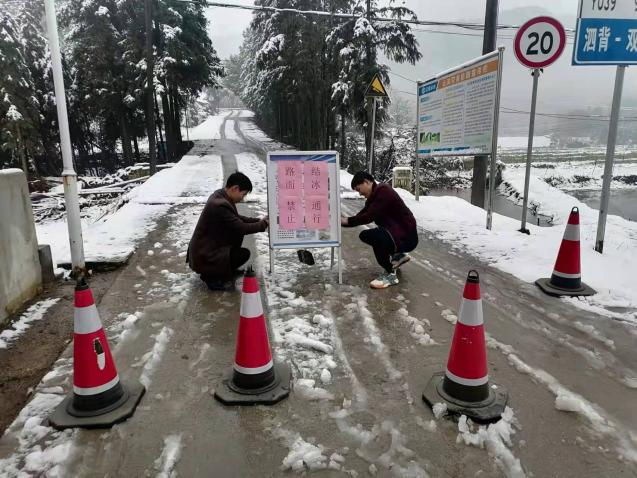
(403, 77)
(569, 116)
(345, 16)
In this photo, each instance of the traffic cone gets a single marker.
(464, 386)
(567, 273)
(255, 377)
(99, 399)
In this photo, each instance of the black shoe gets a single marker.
(305, 257)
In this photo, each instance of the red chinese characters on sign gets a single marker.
(303, 195)
(317, 212)
(290, 174)
(315, 179)
(290, 212)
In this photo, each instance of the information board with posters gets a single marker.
(606, 33)
(304, 200)
(456, 109)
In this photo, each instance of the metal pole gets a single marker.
(610, 156)
(494, 139)
(489, 40)
(340, 265)
(529, 150)
(417, 185)
(371, 140)
(69, 176)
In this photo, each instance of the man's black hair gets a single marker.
(241, 180)
(361, 176)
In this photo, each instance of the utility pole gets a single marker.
(478, 181)
(150, 88)
(370, 129)
(69, 177)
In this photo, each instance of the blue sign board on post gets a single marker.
(606, 33)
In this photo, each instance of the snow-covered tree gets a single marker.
(18, 104)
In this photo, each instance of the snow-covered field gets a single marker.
(113, 238)
(530, 257)
(574, 175)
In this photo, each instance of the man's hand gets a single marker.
(344, 221)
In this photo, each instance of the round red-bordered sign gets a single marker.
(539, 42)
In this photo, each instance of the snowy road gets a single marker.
(361, 359)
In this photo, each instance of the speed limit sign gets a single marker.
(539, 42)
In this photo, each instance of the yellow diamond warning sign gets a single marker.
(376, 88)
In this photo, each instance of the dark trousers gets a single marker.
(384, 246)
(238, 257)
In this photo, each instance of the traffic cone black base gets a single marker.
(485, 411)
(67, 415)
(550, 289)
(229, 393)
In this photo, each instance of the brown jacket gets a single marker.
(220, 227)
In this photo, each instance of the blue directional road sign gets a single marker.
(606, 33)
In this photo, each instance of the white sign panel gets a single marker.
(456, 109)
(303, 199)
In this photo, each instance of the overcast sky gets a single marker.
(561, 87)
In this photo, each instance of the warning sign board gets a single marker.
(376, 88)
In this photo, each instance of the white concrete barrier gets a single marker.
(20, 274)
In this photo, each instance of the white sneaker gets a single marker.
(384, 280)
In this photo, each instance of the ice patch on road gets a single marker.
(303, 455)
(166, 463)
(32, 314)
(153, 358)
(417, 327)
(569, 401)
(439, 409)
(496, 438)
(40, 450)
(373, 334)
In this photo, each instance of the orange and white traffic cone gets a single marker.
(567, 273)
(464, 386)
(255, 378)
(99, 399)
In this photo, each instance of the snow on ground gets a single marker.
(113, 238)
(32, 314)
(231, 134)
(496, 438)
(249, 128)
(574, 175)
(530, 257)
(165, 464)
(209, 129)
(253, 167)
(519, 142)
(569, 401)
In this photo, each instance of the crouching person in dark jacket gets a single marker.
(396, 233)
(215, 251)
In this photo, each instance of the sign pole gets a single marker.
(71, 198)
(417, 185)
(610, 156)
(494, 139)
(529, 150)
(371, 140)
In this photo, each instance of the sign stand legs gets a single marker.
(610, 156)
(271, 261)
(332, 258)
(529, 151)
(340, 265)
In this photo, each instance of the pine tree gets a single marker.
(18, 104)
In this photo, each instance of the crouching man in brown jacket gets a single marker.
(215, 251)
